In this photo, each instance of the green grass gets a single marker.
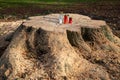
(38, 7)
(48, 1)
(17, 3)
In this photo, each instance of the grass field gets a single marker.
(17, 3)
(108, 10)
(9, 7)
(49, 1)
(26, 8)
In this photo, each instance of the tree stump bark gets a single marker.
(41, 49)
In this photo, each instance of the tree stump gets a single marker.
(41, 49)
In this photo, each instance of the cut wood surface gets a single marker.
(42, 49)
(50, 22)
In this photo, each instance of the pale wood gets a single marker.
(43, 49)
(50, 23)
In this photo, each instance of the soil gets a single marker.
(107, 11)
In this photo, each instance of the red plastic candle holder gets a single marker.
(70, 20)
(65, 19)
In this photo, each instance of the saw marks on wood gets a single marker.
(50, 22)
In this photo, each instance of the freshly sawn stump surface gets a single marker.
(43, 49)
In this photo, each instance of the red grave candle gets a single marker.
(65, 19)
(70, 20)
